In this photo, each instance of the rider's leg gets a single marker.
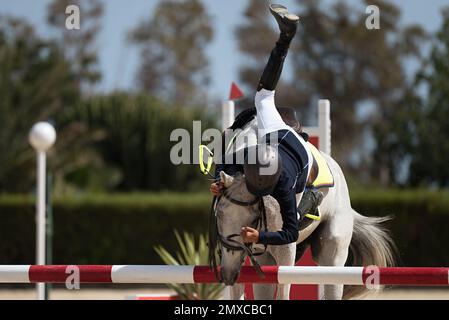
(288, 23)
(268, 117)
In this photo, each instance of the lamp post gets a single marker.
(42, 137)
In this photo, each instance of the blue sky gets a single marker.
(119, 60)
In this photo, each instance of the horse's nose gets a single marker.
(229, 276)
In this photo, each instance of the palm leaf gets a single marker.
(190, 253)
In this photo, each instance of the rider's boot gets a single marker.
(309, 203)
(288, 24)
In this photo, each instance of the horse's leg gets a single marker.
(265, 291)
(330, 247)
(284, 256)
(237, 291)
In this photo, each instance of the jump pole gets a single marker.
(228, 107)
(159, 274)
(228, 114)
(323, 131)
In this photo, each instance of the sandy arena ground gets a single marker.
(121, 294)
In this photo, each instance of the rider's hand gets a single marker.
(216, 188)
(249, 235)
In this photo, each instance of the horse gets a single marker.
(339, 232)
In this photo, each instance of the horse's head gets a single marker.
(237, 208)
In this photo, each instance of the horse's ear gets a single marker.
(226, 179)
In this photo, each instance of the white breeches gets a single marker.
(269, 120)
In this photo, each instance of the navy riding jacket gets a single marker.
(292, 180)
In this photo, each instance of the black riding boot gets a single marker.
(288, 24)
(310, 201)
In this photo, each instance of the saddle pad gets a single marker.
(325, 179)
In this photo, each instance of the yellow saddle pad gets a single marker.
(325, 179)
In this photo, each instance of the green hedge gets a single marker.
(123, 229)
(420, 225)
(115, 229)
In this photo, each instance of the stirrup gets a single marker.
(316, 216)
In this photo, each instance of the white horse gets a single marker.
(339, 231)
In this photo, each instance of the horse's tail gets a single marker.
(371, 244)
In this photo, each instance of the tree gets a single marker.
(429, 128)
(339, 59)
(256, 38)
(334, 56)
(172, 44)
(79, 45)
(137, 130)
(36, 83)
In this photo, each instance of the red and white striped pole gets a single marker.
(158, 274)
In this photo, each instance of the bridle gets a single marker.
(218, 241)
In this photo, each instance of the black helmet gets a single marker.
(262, 168)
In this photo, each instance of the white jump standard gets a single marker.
(158, 274)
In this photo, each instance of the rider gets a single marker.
(289, 152)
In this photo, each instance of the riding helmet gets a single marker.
(262, 169)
